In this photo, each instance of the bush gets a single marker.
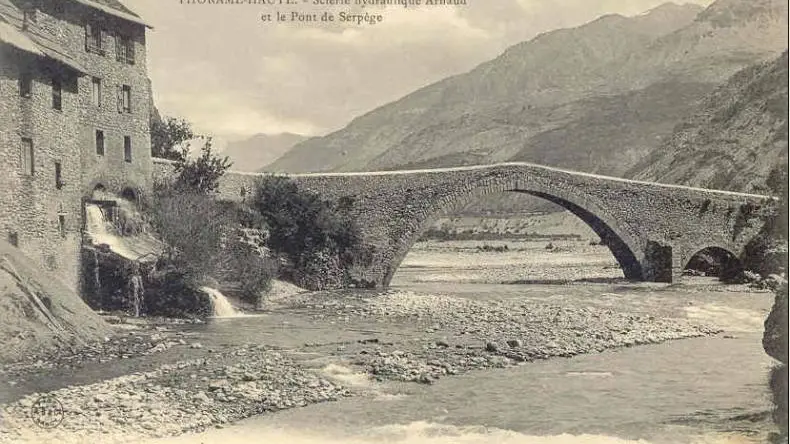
(192, 227)
(252, 273)
(320, 240)
(170, 293)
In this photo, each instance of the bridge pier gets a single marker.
(659, 264)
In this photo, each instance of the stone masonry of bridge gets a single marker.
(653, 230)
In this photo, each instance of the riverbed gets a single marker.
(470, 344)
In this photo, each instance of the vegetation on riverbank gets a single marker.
(319, 241)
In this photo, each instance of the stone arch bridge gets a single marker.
(652, 229)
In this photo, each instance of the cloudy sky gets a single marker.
(233, 75)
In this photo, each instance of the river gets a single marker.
(701, 390)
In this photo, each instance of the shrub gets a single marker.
(251, 272)
(192, 227)
(319, 239)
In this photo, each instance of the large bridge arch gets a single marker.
(624, 246)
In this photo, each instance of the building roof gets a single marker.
(114, 8)
(11, 36)
(31, 41)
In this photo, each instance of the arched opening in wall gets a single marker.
(129, 194)
(523, 237)
(714, 262)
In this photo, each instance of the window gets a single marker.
(96, 91)
(25, 85)
(57, 94)
(124, 49)
(58, 176)
(27, 157)
(125, 99)
(62, 225)
(127, 148)
(93, 38)
(100, 142)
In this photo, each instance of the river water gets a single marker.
(703, 390)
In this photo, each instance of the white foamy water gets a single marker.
(346, 376)
(220, 304)
(419, 432)
(101, 232)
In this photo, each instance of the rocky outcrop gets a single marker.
(775, 335)
(775, 344)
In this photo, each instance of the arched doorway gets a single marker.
(129, 194)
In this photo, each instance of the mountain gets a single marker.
(260, 150)
(735, 137)
(597, 98)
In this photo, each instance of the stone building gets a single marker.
(74, 117)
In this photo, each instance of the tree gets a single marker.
(200, 175)
(319, 239)
(167, 135)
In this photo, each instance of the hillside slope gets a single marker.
(39, 312)
(256, 152)
(595, 98)
(738, 134)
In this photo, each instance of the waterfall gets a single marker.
(220, 304)
(97, 279)
(133, 247)
(136, 293)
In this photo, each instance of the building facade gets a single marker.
(74, 117)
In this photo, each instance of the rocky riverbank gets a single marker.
(456, 335)
(195, 386)
(174, 399)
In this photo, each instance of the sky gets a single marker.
(233, 75)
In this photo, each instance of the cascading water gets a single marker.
(220, 304)
(97, 276)
(130, 248)
(136, 293)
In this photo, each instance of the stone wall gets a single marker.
(33, 205)
(653, 230)
(67, 27)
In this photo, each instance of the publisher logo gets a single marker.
(47, 412)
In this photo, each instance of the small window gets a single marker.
(57, 94)
(58, 177)
(127, 148)
(96, 91)
(13, 238)
(62, 225)
(27, 157)
(25, 85)
(125, 99)
(93, 38)
(124, 49)
(100, 142)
